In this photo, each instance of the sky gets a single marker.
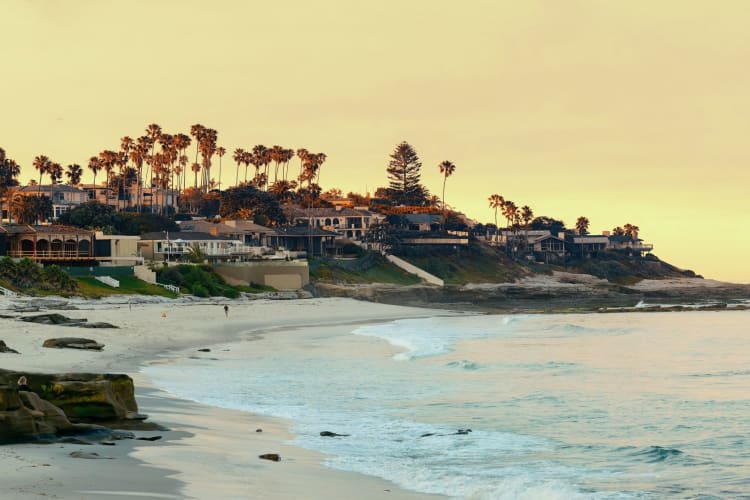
(624, 112)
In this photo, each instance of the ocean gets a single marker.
(547, 406)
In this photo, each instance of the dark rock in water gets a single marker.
(90, 455)
(427, 435)
(463, 431)
(204, 350)
(274, 457)
(119, 435)
(332, 434)
(73, 343)
(151, 438)
(258, 430)
(107, 443)
(5, 348)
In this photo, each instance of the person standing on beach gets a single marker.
(226, 310)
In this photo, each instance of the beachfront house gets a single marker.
(53, 244)
(628, 244)
(164, 246)
(63, 197)
(247, 231)
(351, 223)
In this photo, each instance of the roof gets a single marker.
(423, 218)
(303, 231)
(59, 188)
(184, 235)
(47, 229)
(235, 227)
(329, 212)
(623, 239)
(537, 239)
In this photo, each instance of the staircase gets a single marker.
(108, 280)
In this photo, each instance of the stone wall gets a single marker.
(282, 275)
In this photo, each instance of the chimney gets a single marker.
(605, 233)
(213, 231)
(561, 235)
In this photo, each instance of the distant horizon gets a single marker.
(620, 112)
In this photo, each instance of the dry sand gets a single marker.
(207, 452)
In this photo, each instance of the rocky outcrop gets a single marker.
(64, 403)
(60, 320)
(73, 343)
(4, 348)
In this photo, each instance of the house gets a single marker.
(547, 247)
(351, 223)
(585, 245)
(163, 246)
(127, 196)
(248, 232)
(311, 240)
(117, 249)
(63, 197)
(48, 244)
(422, 222)
(628, 244)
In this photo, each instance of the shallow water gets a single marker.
(636, 405)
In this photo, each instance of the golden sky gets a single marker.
(625, 112)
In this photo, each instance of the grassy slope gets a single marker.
(90, 287)
(371, 268)
(479, 263)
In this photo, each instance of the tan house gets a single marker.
(351, 223)
(63, 197)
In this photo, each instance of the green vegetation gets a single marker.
(370, 268)
(92, 288)
(621, 268)
(30, 278)
(477, 263)
(199, 280)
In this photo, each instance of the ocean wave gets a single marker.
(465, 364)
(654, 454)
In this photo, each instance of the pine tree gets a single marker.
(403, 175)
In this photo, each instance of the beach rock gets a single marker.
(332, 434)
(274, 457)
(5, 348)
(73, 343)
(90, 455)
(60, 320)
(204, 350)
(84, 397)
(52, 319)
(149, 438)
(24, 415)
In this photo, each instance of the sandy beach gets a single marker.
(206, 452)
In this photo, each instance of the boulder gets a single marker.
(60, 320)
(24, 415)
(274, 457)
(73, 343)
(83, 397)
(5, 348)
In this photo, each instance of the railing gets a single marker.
(171, 288)
(108, 280)
(8, 293)
(49, 253)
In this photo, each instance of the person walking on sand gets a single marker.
(226, 310)
(23, 384)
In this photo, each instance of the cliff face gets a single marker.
(62, 403)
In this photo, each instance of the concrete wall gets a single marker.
(281, 275)
(145, 274)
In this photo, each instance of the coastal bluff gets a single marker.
(63, 404)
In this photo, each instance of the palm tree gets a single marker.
(74, 172)
(55, 174)
(195, 167)
(220, 151)
(582, 225)
(527, 215)
(496, 201)
(302, 154)
(42, 164)
(238, 156)
(631, 231)
(618, 231)
(446, 168)
(9, 171)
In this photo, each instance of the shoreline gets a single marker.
(198, 434)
